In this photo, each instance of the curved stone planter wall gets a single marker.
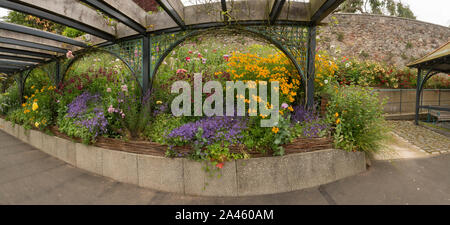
(238, 178)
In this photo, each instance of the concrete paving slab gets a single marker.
(28, 190)
(50, 181)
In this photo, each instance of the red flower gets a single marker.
(190, 52)
(188, 59)
(220, 165)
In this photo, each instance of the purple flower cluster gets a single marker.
(312, 124)
(97, 123)
(301, 115)
(79, 105)
(313, 129)
(94, 120)
(215, 129)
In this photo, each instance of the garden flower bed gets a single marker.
(152, 148)
(99, 114)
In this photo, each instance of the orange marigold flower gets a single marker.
(275, 130)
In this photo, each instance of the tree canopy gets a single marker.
(383, 7)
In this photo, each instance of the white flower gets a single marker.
(347, 65)
(325, 81)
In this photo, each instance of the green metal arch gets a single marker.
(244, 30)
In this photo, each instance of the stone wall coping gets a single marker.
(256, 176)
(390, 17)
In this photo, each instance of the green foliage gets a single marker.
(356, 115)
(34, 22)
(10, 100)
(72, 32)
(162, 125)
(385, 7)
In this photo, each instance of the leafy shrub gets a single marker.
(38, 110)
(355, 113)
(160, 128)
(10, 100)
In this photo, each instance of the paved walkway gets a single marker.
(426, 139)
(29, 176)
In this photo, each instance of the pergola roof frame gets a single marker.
(25, 52)
(116, 14)
(33, 10)
(7, 62)
(20, 58)
(276, 10)
(13, 41)
(172, 13)
(131, 18)
(40, 33)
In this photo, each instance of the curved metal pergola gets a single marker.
(142, 40)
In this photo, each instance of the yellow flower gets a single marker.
(35, 106)
(26, 97)
(23, 105)
(263, 116)
(275, 130)
(291, 109)
(336, 115)
(35, 100)
(281, 112)
(338, 121)
(32, 87)
(37, 124)
(159, 102)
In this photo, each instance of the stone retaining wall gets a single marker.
(256, 176)
(390, 39)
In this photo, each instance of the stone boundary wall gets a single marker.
(390, 39)
(256, 176)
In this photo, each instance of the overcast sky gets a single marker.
(433, 11)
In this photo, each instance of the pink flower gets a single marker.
(69, 55)
(123, 115)
(188, 59)
(199, 55)
(108, 90)
(181, 71)
(226, 57)
(125, 88)
(204, 60)
(111, 109)
(284, 106)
